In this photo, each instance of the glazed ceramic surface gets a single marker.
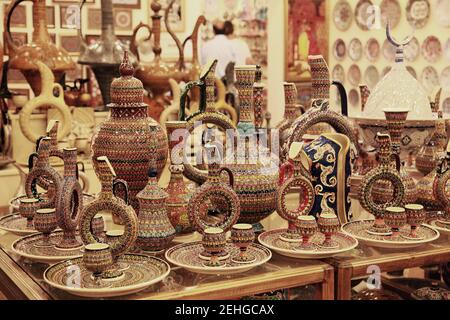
(342, 15)
(187, 257)
(390, 11)
(271, 239)
(440, 225)
(16, 224)
(142, 272)
(432, 49)
(129, 138)
(355, 49)
(358, 229)
(372, 49)
(26, 247)
(362, 14)
(418, 13)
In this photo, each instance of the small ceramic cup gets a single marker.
(27, 209)
(307, 226)
(45, 222)
(395, 218)
(113, 237)
(98, 226)
(97, 258)
(415, 216)
(243, 235)
(328, 224)
(214, 242)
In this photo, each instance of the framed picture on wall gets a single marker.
(71, 44)
(307, 33)
(134, 4)
(94, 20)
(177, 14)
(50, 11)
(123, 19)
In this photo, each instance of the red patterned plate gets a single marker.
(340, 49)
(432, 49)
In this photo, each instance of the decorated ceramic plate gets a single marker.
(353, 97)
(358, 229)
(418, 13)
(441, 12)
(388, 51)
(28, 247)
(432, 49)
(441, 226)
(342, 15)
(447, 49)
(187, 256)
(412, 50)
(16, 224)
(371, 76)
(354, 75)
(372, 49)
(141, 272)
(412, 71)
(339, 49)
(15, 202)
(338, 73)
(355, 49)
(445, 79)
(363, 14)
(429, 79)
(271, 239)
(390, 10)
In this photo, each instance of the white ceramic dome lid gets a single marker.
(398, 90)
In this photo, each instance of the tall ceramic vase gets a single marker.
(129, 138)
(179, 195)
(41, 48)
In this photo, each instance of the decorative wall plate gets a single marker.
(441, 12)
(362, 14)
(388, 51)
(447, 49)
(355, 49)
(445, 79)
(358, 229)
(354, 75)
(340, 49)
(390, 10)
(353, 97)
(342, 15)
(338, 73)
(26, 247)
(142, 272)
(372, 49)
(371, 76)
(443, 228)
(412, 71)
(432, 49)
(418, 13)
(187, 256)
(429, 79)
(271, 239)
(16, 224)
(412, 50)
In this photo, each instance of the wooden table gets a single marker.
(356, 264)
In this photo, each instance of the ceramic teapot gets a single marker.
(129, 138)
(104, 56)
(41, 49)
(207, 114)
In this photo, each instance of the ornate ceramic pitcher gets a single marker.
(155, 230)
(207, 114)
(215, 203)
(104, 56)
(129, 138)
(41, 48)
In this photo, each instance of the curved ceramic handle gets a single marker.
(194, 38)
(343, 95)
(174, 36)
(230, 176)
(183, 97)
(9, 40)
(124, 184)
(221, 104)
(80, 31)
(133, 46)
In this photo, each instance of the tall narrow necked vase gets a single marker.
(129, 138)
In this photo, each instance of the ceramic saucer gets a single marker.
(271, 239)
(72, 277)
(358, 229)
(441, 226)
(16, 224)
(187, 256)
(27, 248)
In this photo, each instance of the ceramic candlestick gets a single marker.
(328, 224)
(395, 218)
(97, 258)
(243, 235)
(307, 226)
(415, 216)
(214, 242)
(45, 222)
(27, 209)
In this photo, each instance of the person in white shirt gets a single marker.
(220, 48)
(241, 49)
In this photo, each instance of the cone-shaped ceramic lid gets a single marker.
(127, 89)
(152, 190)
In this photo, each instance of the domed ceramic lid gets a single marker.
(398, 90)
(152, 190)
(127, 90)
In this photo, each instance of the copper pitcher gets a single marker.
(41, 48)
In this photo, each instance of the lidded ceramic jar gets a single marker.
(41, 48)
(129, 138)
(155, 232)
